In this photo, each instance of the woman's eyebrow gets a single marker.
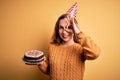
(60, 26)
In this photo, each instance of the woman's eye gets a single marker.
(60, 27)
(69, 27)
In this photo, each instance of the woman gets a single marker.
(68, 51)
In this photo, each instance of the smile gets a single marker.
(65, 36)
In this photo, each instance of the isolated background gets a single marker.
(29, 24)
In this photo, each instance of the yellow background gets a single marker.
(29, 24)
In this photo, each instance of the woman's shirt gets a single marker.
(68, 63)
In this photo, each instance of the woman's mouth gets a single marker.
(65, 36)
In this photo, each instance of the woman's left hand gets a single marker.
(75, 26)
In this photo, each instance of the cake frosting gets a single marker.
(33, 54)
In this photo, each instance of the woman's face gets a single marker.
(65, 30)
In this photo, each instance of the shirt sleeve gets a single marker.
(90, 49)
(45, 68)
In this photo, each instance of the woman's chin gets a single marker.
(65, 39)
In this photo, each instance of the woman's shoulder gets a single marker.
(53, 44)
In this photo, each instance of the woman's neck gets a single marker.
(68, 43)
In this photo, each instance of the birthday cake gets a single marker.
(34, 57)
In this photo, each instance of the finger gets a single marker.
(68, 17)
(68, 23)
(69, 31)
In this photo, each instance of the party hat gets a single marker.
(72, 11)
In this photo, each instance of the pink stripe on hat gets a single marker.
(72, 11)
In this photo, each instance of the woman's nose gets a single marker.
(64, 30)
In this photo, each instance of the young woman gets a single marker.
(68, 51)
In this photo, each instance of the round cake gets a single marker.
(34, 57)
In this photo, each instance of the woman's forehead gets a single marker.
(64, 22)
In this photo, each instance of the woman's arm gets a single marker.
(90, 49)
(44, 67)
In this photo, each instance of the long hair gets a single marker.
(56, 39)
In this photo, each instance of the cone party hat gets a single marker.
(72, 11)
